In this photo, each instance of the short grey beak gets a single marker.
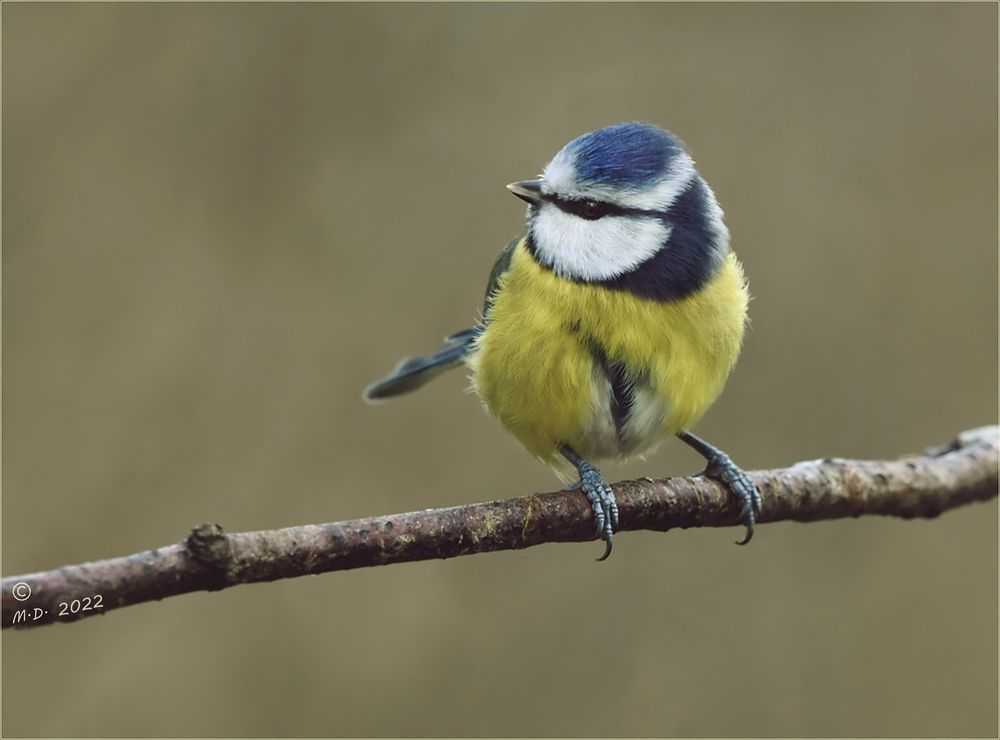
(527, 190)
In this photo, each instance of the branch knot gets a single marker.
(208, 559)
(208, 546)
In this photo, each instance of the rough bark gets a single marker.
(208, 559)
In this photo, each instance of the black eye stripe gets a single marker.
(588, 209)
(595, 209)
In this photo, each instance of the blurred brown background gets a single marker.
(222, 221)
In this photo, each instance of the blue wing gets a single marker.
(413, 372)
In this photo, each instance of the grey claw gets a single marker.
(599, 520)
(602, 500)
(600, 496)
(725, 470)
(747, 537)
(607, 550)
(751, 504)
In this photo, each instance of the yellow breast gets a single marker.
(534, 366)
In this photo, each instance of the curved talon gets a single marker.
(607, 550)
(748, 536)
(605, 515)
(723, 469)
(751, 506)
(600, 496)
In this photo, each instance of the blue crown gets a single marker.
(632, 154)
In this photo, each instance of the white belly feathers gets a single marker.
(643, 428)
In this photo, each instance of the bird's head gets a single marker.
(625, 204)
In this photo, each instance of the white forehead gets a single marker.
(560, 177)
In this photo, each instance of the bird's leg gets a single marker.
(723, 469)
(600, 495)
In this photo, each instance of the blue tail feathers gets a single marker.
(413, 372)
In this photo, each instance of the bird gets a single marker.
(611, 321)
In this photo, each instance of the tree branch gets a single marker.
(916, 486)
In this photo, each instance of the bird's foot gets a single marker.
(723, 469)
(601, 498)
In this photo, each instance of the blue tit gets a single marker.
(612, 321)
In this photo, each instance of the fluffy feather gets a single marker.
(595, 250)
(537, 377)
(606, 327)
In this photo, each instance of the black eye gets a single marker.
(588, 209)
(585, 208)
(591, 210)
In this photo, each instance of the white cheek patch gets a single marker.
(595, 250)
